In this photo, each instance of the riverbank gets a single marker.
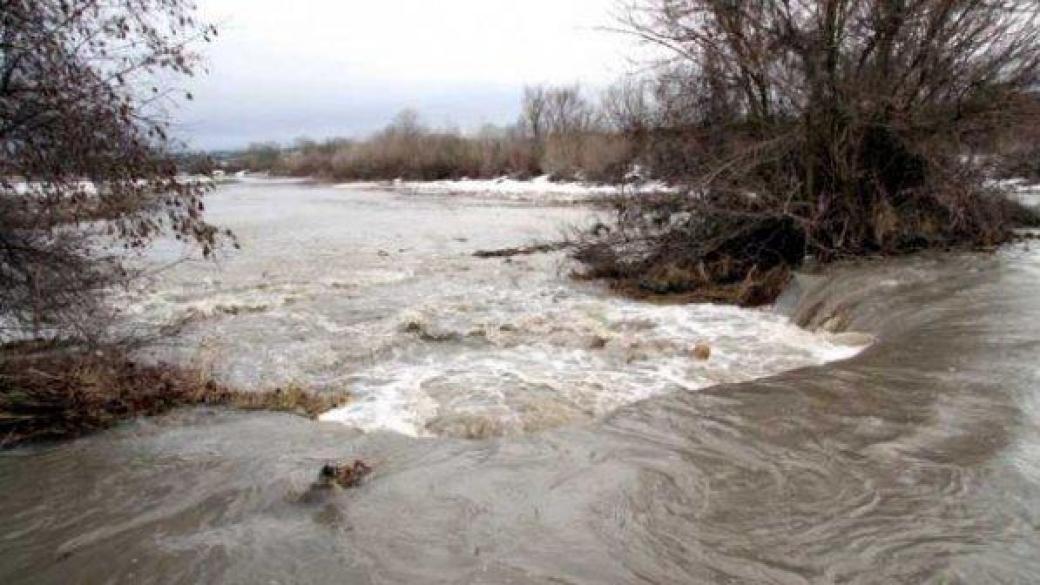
(54, 393)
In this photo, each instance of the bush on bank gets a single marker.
(53, 392)
(832, 130)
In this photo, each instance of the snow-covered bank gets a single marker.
(1024, 190)
(537, 189)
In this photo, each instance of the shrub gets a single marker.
(51, 393)
(848, 120)
(86, 155)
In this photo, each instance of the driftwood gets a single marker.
(523, 250)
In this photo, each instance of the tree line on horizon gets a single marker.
(560, 132)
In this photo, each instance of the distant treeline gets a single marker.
(560, 132)
(659, 125)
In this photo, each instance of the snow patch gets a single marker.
(539, 189)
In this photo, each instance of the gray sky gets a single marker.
(280, 69)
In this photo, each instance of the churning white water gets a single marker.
(379, 294)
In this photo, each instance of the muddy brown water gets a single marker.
(916, 461)
(379, 294)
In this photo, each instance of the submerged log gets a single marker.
(345, 476)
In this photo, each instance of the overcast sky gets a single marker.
(281, 70)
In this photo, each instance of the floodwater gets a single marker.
(380, 295)
(916, 460)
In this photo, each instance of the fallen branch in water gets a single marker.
(64, 394)
(523, 250)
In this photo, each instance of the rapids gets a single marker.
(379, 294)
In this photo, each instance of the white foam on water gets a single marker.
(380, 295)
(161, 303)
(399, 405)
(554, 365)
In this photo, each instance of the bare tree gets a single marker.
(86, 150)
(850, 118)
(534, 112)
(556, 120)
(627, 106)
(407, 123)
(568, 112)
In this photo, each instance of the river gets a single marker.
(527, 428)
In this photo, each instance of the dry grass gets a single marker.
(57, 394)
(406, 150)
(292, 399)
